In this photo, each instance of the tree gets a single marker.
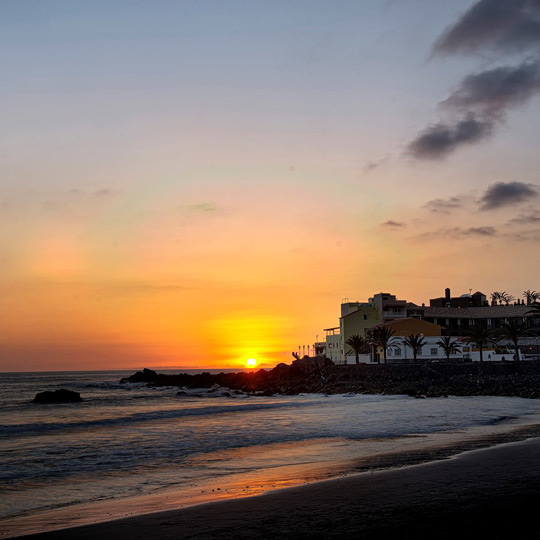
(449, 346)
(531, 297)
(358, 345)
(479, 336)
(382, 336)
(495, 297)
(415, 342)
(513, 330)
(535, 310)
(506, 297)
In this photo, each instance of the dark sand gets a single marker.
(490, 493)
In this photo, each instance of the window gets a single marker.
(434, 351)
(365, 317)
(397, 351)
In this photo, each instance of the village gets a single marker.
(468, 328)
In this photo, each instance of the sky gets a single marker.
(196, 183)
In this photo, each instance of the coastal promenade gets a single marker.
(490, 493)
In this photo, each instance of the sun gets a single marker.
(251, 362)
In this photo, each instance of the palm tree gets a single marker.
(358, 345)
(506, 298)
(382, 336)
(496, 297)
(449, 346)
(531, 296)
(415, 342)
(479, 336)
(513, 330)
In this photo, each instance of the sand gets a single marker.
(490, 493)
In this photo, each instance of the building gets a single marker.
(389, 306)
(398, 350)
(333, 345)
(477, 299)
(358, 317)
(458, 321)
(447, 316)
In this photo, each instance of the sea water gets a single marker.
(127, 443)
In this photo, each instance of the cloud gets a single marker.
(375, 164)
(524, 236)
(492, 91)
(441, 139)
(482, 99)
(392, 224)
(526, 219)
(459, 233)
(478, 231)
(507, 25)
(445, 205)
(507, 193)
(199, 208)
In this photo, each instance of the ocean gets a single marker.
(129, 449)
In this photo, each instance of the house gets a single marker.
(399, 351)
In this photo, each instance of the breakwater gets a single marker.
(520, 379)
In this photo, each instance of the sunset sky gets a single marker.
(194, 183)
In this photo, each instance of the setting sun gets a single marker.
(251, 362)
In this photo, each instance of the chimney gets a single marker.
(447, 294)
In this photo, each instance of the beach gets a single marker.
(128, 453)
(493, 492)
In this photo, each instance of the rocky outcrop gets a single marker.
(57, 396)
(520, 379)
(146, 375)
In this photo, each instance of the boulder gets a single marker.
(58, 396)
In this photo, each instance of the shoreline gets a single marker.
(416, 450)
(444, 496)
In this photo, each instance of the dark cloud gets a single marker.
(507, 25)
(445, 205)
(492, 91)
(506, 194)
(441, 139)
(392, 224)
(485, 97)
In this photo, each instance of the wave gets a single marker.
(142, 417)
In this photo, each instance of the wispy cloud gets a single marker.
(526, 219)
(392, 224)
(507, 194)
(199, 208)
(445, 205)
(459, 233)
(376, 164)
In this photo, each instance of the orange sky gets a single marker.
(195, 187)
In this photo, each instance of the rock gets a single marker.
(58, 396)
(146, 375)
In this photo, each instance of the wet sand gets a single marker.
(489, 493)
